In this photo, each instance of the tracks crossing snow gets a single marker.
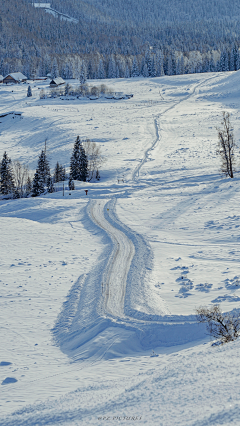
(109, 287)
(114, 284)
(158, 126)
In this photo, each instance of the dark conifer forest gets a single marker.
(120, 38)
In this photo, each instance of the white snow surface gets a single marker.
(99, 291)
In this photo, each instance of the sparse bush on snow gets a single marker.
(223, 327)
(227, 146)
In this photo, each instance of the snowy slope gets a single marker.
(90, 285)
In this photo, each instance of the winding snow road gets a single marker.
(114, 293)
(115, 279)
(158, 126)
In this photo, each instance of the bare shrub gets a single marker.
(54, 92)
(95, 91)
(103, 88)
(109, 91)
(95, 159)
(43, 94)
(223, 327)
(22, 176)
(84, 90)
(67, 89)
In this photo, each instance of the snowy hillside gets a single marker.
(98, 292)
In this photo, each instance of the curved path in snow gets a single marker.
(113, 296)
(109, 310)
(115, 279)
(158, 128)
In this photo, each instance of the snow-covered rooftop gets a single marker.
(17, 76)
(57, 81)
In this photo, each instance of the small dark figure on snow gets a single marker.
(29, 92)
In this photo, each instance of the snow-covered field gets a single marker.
(92, 285)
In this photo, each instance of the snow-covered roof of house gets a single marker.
(17, 76)
(57, 80)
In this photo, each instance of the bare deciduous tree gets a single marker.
(95, 159)
(226, 146)
(21, 176)
(223, 327)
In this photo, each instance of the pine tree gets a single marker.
(62, 172)
(153, 69)
(28, 186)
(57, 173)
(159, 64)
(83, 73)
(54, 70)
(71, 183)
(224, 66)
(145, 71)
(135, 70)
(178, 66)
(50, 186)
(29, 92)
(232, 60)
(112, 67)
(43, 166)
(127, 72)
(42, 175)
(6, 182)
(169, 65)
(78, 162)
(148, 61)
(97, 175)
(238, 60)
(38, 185)
(117, 72)
(101, 71)
(83, 164)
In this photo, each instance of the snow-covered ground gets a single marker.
(92, 285)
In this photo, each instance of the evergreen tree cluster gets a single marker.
(15, 181)
(79, 162)
(59, 173)
(6, 176)
(42, 176)
(120, 39)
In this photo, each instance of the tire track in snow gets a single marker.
(158, 128)
(109, 306)
(107, 311)
(115, 279)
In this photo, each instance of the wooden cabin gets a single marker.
(14, 77)
(55, 82)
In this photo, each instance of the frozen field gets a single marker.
(92, 285)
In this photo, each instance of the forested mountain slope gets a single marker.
(120, 31)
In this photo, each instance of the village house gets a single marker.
(14, 77)
(56, 82)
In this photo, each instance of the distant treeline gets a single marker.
(123, 38)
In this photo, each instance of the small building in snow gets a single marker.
(14, 77)
(1, 78)
(39, 78)
(55, 82)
